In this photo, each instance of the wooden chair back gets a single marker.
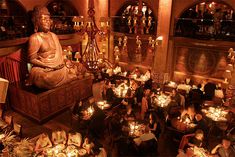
(184, 140)
(74, 116)
(1, 113)
(91, 100)
(17, 129)
(8, 120)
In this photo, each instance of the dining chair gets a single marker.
(17, 128)
(8, 120)
(1, 113)
(184, 140)
(74, 117)
(91, 100)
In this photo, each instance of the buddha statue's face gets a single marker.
(45, 23)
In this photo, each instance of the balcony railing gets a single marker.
(13, 27)
(205, 29)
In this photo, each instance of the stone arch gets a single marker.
(124, 5)
(187, 6)
(66, 4)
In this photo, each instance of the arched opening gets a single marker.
(207, 20)
(62, 13)
(120, 21)
(132, 27)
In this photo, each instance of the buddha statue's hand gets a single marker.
(48, 69)
(58, 67)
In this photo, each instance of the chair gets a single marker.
(74, 117)
(208, 103)
(17, 128)
(8, 120)
(184, 140)
(1, 113)
(182, 101)
(91, 100)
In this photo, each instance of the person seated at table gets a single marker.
(231, 134)
(129, 116)
(147, 74)
(102, 153)
(109, 71)
(78, 108)
(144, 104)
(201, 123)
(225, 149)
(153, 125)
(59, 137)
(117, 70)
(187, 153)
(43, 142)
(109, 92)
(153, 96)
(136, 72)
(146, 136)
(129, 99)
(209, 90)
(75, 139)
(188, 81)
(175, 98)
(196, 97)
(219, 92)
(139, 93)
(133, 85)
(189, 113)
(88, 145)
(174, 105)
(148, 84)
(197, 139)
(104, 89)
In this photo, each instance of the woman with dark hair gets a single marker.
(225, 149)
(154, 125)
(144, 104)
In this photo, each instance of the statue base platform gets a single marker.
(41, 105)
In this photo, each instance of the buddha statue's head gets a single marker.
(41, 19)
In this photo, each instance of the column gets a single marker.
(163, 29)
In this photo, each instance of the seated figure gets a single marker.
(197, 140)
(59, 137)
(87, 145)
(75, 139)
(42, 143)
(224, 149)
(45, 54)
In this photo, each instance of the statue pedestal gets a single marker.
(40, 105)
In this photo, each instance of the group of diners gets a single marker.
(62, 144)
(184, 108)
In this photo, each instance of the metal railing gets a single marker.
(205, 29)
(13, 27)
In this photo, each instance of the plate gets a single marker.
(61, 155)
(82, 152)
(71, 148)
(60, 147)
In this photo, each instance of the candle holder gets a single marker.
(138, 20)
(92, 57)
(154, 43)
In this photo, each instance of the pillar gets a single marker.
(163, 29)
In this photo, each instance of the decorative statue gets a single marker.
(45, 53)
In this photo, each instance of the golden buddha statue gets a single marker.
(45, 54)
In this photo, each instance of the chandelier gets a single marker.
(92, 57)
(139, 18)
